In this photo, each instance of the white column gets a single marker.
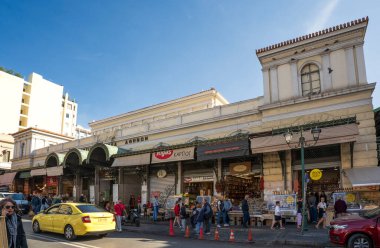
(326, 82)
(295, 83)
(179, 181)
(350, 66)
(219, 176)
(274, 84)
(360, 64)
(266, 87)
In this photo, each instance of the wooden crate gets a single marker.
(3, 233)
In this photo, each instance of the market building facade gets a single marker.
(203, 145)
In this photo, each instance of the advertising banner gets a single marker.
(173, 155)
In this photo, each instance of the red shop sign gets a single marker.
(51, 181)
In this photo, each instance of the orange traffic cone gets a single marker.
(187, 233)
(250, 235)
(232, 236)
(171, 230)
(201, 233)
(216, 237)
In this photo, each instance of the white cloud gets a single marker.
(323, 16)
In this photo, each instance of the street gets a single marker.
(130, 239)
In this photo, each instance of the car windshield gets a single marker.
(371, 213)
(16, 197)
(90, 209)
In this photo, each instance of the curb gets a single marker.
(262, 242)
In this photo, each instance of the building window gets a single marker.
(22, 149)
(67, 115)
(310, 80)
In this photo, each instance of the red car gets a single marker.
(357, 231)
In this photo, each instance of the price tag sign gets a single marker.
(350, 198)
(290, 199)
(316, 174)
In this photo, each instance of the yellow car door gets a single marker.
(62, 218)
(46, 218)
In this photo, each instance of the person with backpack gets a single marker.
(183, 216)
(226, 208)
(208, 213)
(199, 218)
(36, 203)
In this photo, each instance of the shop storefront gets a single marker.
(6, 181)
(53, 179)
(22, 181)
(38, 180)
(198, 178)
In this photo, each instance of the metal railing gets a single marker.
(3, 233)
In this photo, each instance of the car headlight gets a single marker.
(339, 226)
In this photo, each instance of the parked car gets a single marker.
(20, 200)
(74, 219)
(361, 230)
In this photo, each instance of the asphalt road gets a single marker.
(124, 239)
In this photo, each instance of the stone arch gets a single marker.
(75, 156)
(101, 153)
(54, 159)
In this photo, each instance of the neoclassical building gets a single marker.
(202, 144)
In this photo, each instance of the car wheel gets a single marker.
(69, 233)
(359, 241)
(36, 227)
(102, 235)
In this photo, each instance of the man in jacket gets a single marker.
(207, 210)
(245, 208)
(119, 213)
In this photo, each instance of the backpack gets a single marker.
(220, 205)
(208, 211)
(226, 206)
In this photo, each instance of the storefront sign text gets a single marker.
(198, 179)
(173, 155)
(51, 181)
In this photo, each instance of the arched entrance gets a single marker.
(74, 163)
(54, 174)
(106, 177)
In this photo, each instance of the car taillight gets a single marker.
(86, 219)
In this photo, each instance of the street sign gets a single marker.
(316, 174)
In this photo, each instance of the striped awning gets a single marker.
(7, 178)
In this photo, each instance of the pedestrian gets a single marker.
(208, 213)
(340, 207)
(277, 216)
(312, 202)
(177, 210)
(82, 198)
(245, 209)
(226, 208)
(199, 219)
(132, 202)
(299, 214)
(321, 213)
(155, 208)
(119, 213)
(107, 206)
(139, 203)
(15, 230)
(183, 216)
(36, 203)
(219, 213)
(194, 215)
(44, 204)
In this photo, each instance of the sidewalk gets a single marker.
(262, 235)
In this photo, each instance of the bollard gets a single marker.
(171, 230)
(232, 236)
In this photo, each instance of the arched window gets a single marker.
(310, 80)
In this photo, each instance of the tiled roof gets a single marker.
(308, 36)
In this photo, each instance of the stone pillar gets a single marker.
(78, 185)
(97, 185)
(350, 66)
(273, 180)
(274, 85)
(360, 64)
(326, 83)
(295, 82)
(179, 178)
(266, 84)
(121, 183)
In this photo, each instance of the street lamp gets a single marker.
(302, 144)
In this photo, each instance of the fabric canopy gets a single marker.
(54, 171)
(38, 172)
(141, 159)
(329, 135)
(7, 178)
(366, 176)
(24, 174)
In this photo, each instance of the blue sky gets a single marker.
(118, 56)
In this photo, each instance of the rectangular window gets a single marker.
(67, 115)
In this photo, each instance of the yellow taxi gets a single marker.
(74, 219)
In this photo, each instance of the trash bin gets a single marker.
(3, 233)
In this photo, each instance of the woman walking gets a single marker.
(177, 209)
(321, 213)
(15, 230)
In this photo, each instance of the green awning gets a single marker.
(24, 174)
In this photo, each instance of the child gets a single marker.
(277, 216)
(299, 214)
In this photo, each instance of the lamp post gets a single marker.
(301, 144)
